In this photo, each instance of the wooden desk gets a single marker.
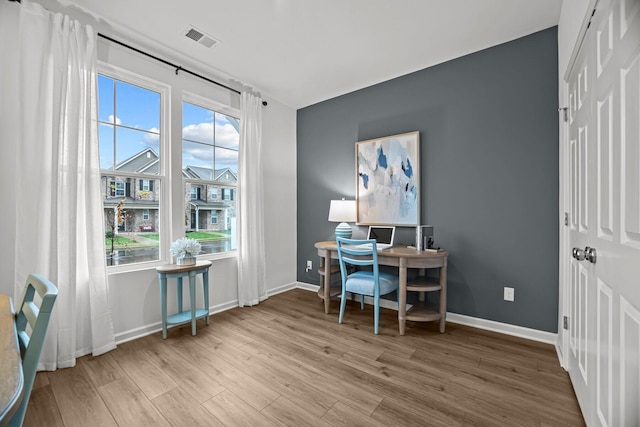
(173, 271)
(403, 258)
(11, 376)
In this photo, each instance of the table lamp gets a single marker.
(343, 211)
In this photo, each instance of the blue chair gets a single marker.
(31, 346)
(372, 283)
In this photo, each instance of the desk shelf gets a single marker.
(185, 316)
(422, 285)
(422, 312)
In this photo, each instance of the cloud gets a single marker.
(117, 121)
(152, 137)
(200, 132)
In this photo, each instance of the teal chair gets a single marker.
(373, 283)
(31, 346)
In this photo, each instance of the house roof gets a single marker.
(146, 161)
(208, 174)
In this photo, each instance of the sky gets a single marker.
(210, 139)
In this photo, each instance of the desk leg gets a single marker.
(327, 283)
(402, 295)
(163, 303)
(443, 295)
(179, 293)
(205, 287)
(192, 298)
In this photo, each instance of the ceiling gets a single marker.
(301, 52)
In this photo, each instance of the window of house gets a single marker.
(210, 143)
(129, 132)
(227, 193)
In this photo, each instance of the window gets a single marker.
(130, 141)
(210, 142)
(227, 194)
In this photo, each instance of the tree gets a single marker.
(115, 218)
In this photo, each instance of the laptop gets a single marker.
(384, 237)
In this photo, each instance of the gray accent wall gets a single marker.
(488, 126)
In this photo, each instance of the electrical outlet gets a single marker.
(509, 294)
(309, 266)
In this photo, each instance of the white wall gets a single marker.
(134, 295)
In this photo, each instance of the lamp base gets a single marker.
(343, 230)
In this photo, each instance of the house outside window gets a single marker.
(145, 214)
(210, 143)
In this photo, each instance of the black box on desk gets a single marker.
(424, 237)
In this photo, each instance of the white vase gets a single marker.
(186, 260)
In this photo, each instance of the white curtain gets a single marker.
(252, 281)
(50, 88)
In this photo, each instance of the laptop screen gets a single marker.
(382, 234)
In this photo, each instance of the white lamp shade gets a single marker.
(342, 211)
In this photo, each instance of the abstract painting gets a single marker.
(388, 180)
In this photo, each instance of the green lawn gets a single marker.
(211, 235)
(122, 242)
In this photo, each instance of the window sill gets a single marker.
(151, 265)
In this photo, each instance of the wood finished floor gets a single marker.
(284, 362)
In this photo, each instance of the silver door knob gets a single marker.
(579, 254)
(590, 254)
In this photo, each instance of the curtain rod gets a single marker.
(177, 67)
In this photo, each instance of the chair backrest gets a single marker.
(31, 345)
(357, 252)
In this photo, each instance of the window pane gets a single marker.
(227, 131)
(129, 99)
(226, 159)
(105, 99)
(106, 141)
(196, 156)
(137, 151)
(132, 220)
(197, 123)
(214, 235)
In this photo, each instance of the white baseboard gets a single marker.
(143, 331)
(489, 325)
(503, 328)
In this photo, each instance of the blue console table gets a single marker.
(177, 272)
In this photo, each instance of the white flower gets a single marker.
(185, 247)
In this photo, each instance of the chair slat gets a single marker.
(31, 311)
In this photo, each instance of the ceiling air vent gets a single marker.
(200, 37)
